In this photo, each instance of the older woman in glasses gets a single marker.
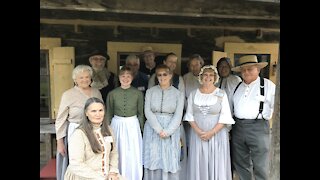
(161, 136)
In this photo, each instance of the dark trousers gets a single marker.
(250, 144)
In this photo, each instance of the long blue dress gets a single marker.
(163, 111)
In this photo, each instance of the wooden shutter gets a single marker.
(61, 65)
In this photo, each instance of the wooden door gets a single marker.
(216, 55)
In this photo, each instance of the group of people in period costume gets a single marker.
(153, 124)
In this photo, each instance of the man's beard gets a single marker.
(100, 68)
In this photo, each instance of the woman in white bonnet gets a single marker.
(209, 116)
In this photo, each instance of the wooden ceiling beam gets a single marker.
(82, 22)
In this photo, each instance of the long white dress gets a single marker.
(209, 160)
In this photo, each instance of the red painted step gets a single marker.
(48, 172)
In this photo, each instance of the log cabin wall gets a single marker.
(201, 26)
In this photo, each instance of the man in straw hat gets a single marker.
(253, 101)
(148, 66)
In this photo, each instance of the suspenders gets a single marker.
(261, 93)
(237, 87)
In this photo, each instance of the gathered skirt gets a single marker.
(129, 143)
(161, 157)
(209, 160)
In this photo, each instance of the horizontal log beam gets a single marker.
(77, 22)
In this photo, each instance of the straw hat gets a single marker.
(147, 49)
(249, 60)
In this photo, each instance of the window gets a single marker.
(123, 55)
(56, 65)
(44, 85)
(118, 51)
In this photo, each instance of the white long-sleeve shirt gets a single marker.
(246, 100)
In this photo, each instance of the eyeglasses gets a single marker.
(98, 58)
(163, 74)
(208, 75)
(133, 64)
(148, 55)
